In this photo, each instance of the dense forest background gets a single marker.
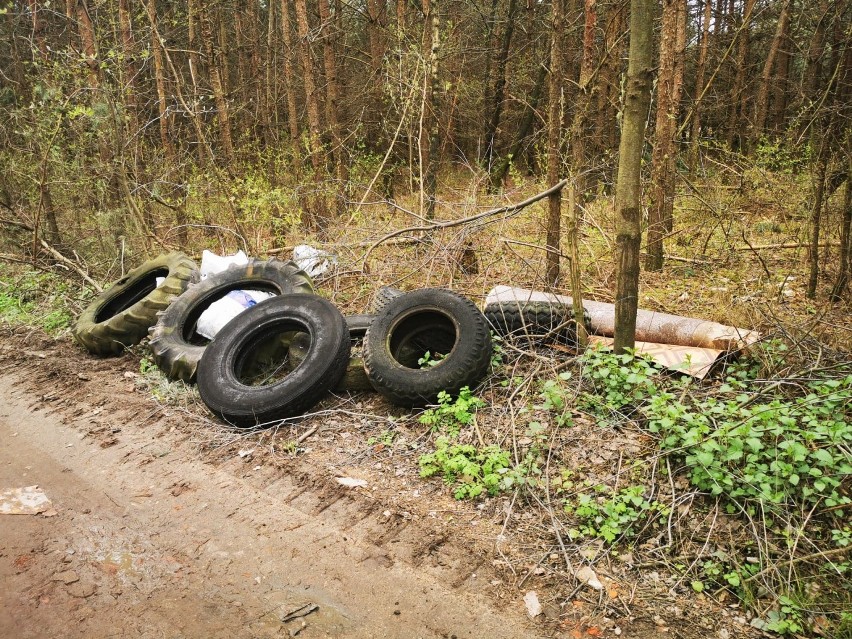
(131, 125)
(552, 144)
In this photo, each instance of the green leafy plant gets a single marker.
(451, 414)
(385, 438)
(497, 351)
(34, 299)
(554, 399)
(428, 360)
(778, 452)
(609, 515)
(620, 383)
(471, 470)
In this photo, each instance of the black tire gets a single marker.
(538, 322)
(175, 344)
(227, 357)
(384, 295)
(355, 379)
(434, 320)
(121, 316)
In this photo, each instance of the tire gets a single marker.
(175, 344)
(355, 379)
(539, 322)
(121, 316)
(384, 295)
(434, 320)
(229, 355)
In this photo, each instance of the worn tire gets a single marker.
(228, 355)
(538, 322)
(176, 346)
(384, 295)
(121, 316)
(355, 379)
(430, 319)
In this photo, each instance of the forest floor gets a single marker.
(169, 524)
(159, 529)
(147, 538)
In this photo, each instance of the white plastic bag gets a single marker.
(224, 310)
(312, 260)
(212, 263)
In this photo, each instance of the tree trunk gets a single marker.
(332, 104)
(128, 50)
(816, 217)
(780, 96)
(194, 64)
(845, 266)
(315, 146)
(87, 40)
(833, 109)
(628, 188)
(582, 104)
(376, 35)
(663, 172)
(498, 95)
(225, 45)
(816, 49)
(738, 93)
(212, 52)
(554, 136)
(700, 71)
(254, 58)
(606, 130)
(761, 106)
(487, 155)
(38, 28)
(289, 75)
(501, 168)
(160, 81)
(269, 135)
(431, 112)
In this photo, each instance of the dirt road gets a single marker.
(149, 541)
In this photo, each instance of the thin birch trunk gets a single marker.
(628, 193)
(213, 54)
(554, 136)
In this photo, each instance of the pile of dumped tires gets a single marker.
(281, 356)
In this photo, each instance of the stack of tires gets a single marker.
(280, 357)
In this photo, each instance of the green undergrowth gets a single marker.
(36, 299)
(764, 444)
(772, 450)
(166, 391)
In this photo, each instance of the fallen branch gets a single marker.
(789, 245)
(307, 434)
(19, 224)
(513, 208)
(678, 258)
(398, 240)
(13, 258)
(536, 246)
(73, 265)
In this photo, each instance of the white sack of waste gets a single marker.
(312, 260)
(212, 263)
(224, 310)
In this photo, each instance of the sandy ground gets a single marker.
(145, 540)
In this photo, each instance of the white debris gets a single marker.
(533, 605)
(312, 260)
(24, 501)
(212, 263)
(588, 576)
(351, 482)
(225, 309)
